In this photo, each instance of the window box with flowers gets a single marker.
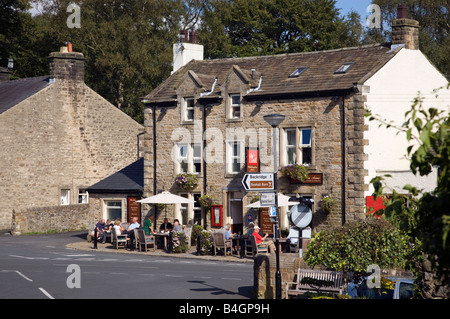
(295, 172)
(186, 182)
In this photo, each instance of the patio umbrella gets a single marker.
(283, 200)
(166, 198)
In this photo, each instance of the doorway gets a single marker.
(235, 212)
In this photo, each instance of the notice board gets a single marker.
(264, 221)
(134, 209)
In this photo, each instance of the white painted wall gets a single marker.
(392, 92)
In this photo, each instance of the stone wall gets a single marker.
(65, 136)
(52, 218)
(338, 147)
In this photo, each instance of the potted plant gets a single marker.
(186, 181)
(179, 242)
(295, 172)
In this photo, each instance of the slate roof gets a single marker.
(318, 77)
(128, 180)
(14, 92)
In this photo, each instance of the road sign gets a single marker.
(258, 181)
(272, 211)
(267, 199)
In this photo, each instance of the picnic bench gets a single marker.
(315, 281)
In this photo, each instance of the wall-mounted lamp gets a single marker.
(163, 110)
(259, 103)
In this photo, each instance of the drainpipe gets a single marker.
(154, 149)
(344, 163)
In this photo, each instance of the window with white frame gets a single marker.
(189, 158)
(234, 155)
(297, 146)
(113, 209)
(65, 196)
(83, 196)
(235, 106)
(187, 110)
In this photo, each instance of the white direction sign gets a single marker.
(267, 199)
(258, 181)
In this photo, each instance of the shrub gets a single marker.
(186, 181)
(355, 246)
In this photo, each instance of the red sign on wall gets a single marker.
(252, 160)
(216, 216)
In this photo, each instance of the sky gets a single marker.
(359, 6)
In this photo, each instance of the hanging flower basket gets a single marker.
(295, 172)
(326, 204)
(186, 181)
(205, 201)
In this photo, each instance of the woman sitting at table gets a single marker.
(148, 225)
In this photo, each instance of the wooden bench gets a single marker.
(315, 281)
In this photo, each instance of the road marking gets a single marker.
(46, 293)
(176, 276)
(231, 278)
(23, 276)
(32, 258)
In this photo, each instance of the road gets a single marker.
(41, 267)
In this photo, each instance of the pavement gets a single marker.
(191, 254)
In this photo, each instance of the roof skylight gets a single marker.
(297, 72)
(344, 68)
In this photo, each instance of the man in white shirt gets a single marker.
(130, 230)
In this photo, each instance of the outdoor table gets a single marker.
(236, 239)
(164, 235)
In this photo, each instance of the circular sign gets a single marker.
(301, 215)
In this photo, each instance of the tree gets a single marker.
(426, 218)
(264, 27)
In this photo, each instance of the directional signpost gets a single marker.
(258, 181)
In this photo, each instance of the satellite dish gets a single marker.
(301, 215)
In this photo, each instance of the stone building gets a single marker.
(58, 137)
(203, 117)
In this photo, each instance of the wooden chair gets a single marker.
(117, 240)
(221, 243)
(136, 238)
(145, 240)
(248, 246)
(188, 233)
(258, 248)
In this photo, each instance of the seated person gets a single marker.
(107, 230)
(130, 230)
(148, 225)
(118, 227)
(166, 226)
(262, 240)
(99, 228)
(177, 226)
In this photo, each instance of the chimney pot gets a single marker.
(402, 11)
(183, 36)
(192, 37)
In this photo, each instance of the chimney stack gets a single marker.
(66, 65)
(405, 31)
(186, 49)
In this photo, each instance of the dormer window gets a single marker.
(235, 106)
(344, 68)
(187, 110)
(297, 72)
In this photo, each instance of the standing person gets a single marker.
(148, 225)
(259, 240)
